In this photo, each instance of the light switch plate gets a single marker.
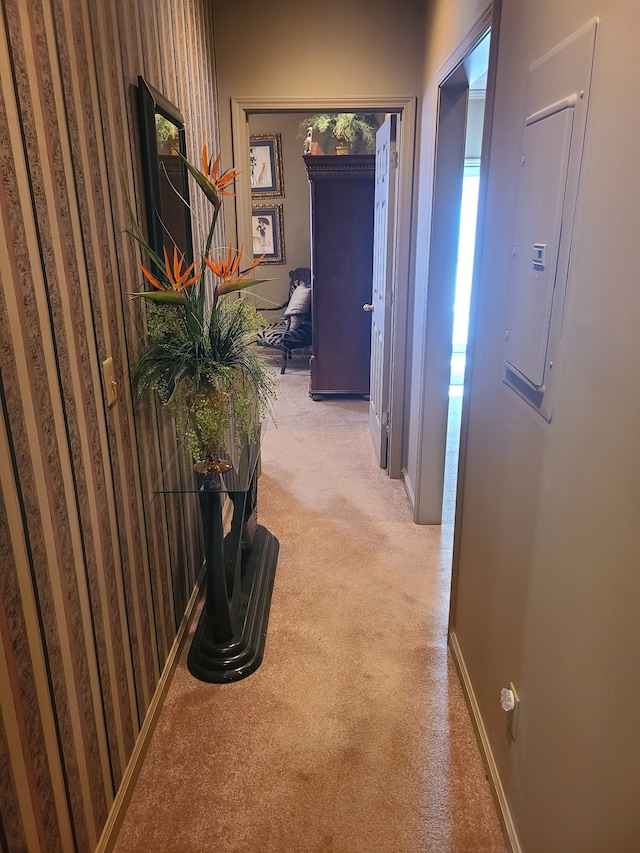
(109, 378)
(539, 256)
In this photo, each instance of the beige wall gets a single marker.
(300, 51)
(95, 570)
(548, 592)
(338, 49)
(475, 120)
(295, 206)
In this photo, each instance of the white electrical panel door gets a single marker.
(545, 162)
(555, 119)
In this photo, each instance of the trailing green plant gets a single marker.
(358, 129)
(198, 353)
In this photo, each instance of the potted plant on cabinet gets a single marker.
(352, 132)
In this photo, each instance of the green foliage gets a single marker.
(166, 135)
(212, 383)
(355, 128)
(198, 353)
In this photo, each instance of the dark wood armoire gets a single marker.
(342, 203)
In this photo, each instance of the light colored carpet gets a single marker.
(353, 735)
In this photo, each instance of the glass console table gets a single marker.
(228, 644)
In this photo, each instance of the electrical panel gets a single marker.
(553, 138)
(545, 161)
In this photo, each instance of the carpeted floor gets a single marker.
(353, 735)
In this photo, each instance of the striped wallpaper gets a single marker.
(95, 570)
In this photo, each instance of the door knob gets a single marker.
(367, 307)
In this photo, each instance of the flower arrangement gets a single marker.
(197, 354)
(357, 129)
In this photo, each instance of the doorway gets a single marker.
(405, 108)
(460, 118)
(464, 270)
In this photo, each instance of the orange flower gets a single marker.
(210, 171)
(178, 279)
(229, 273)
(210, 182)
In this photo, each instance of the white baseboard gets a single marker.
(504, 813)
(118, 809)
(408, 488)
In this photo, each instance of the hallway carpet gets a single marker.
(353, 735)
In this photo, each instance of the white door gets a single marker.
(383, 267)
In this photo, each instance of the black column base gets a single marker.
(220, 663)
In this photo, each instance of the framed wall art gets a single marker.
(265, 158)
(267, 230)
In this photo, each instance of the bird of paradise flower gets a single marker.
(198, 350)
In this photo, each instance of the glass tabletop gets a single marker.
(179, 477)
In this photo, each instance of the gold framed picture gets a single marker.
(267, 230)
(265, 158)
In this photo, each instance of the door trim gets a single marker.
(406, 107)
(496, 11)
(432, 407)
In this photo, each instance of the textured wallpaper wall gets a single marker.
(95, 568)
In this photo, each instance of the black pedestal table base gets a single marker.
(219, 661)
(229, 641)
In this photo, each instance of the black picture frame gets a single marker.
(265, 157)
(165, 177)
(267, 229)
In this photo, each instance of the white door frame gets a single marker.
(384, 266)
(437, 329)
(241, 108)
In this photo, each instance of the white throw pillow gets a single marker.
(300, 302)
